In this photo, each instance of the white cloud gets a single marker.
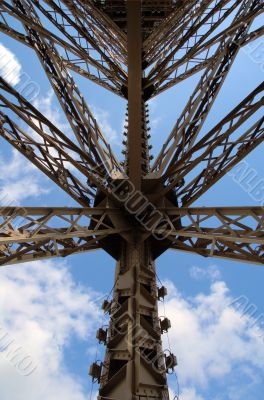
(155, 118)
(19, 180)
(213, 341)
(211, 272)
(103, 120)
(14, 167)
(53, 112)
(190, 394)
(185, 394)
(10, 68)
(43, 309)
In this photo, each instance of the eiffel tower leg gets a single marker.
(134, 367)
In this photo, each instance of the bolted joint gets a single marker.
(106, 306)
(165, 325)
(162, 292)
(101, 335)
(170, 362)
(180, 183)
(95, 372)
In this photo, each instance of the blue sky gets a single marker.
(52, 308)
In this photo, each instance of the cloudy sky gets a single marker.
(50, 310)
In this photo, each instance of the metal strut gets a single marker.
(135, 366)
(134, 211)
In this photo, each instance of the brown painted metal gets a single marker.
(135, 112)
(133, 211)
(75, 54)
(177, 56)
(197, 109)
(28, 234)
(209, 163)
(240, 227)
(134, 364)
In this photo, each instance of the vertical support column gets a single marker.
(134, 44)
(134, 368)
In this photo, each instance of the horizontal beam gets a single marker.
(226, 232)
(223, 250)
(37, 232)
(211, 211)
(33, 233)
(58, 211)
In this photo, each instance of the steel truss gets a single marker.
(133, 209)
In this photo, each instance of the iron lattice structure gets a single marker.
(135, 209)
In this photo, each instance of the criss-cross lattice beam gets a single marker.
(28, 234)
(235, 233)
(52, 151)
(83, 124)
(183, 31)
(160, 36)
(103, 42)
(198, 50)
(74, 55)
(106, 35)
(192, 44)
(191, 121)
(225, 145)
(79, 49)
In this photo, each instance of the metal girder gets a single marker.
(199, 49)
(79, 50)
(106, 35)
(137, 160)
(74, 56)
(135, 105)
(227, 232)
(86, 130)
(191, 121)
(103, 42)
(219, 150)
(185, 27)
(157, 39)
(134, 362)
(191, 45)
(251, 36)
(146, 220)
(105, 24)
(29, 234)
(48, 148)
